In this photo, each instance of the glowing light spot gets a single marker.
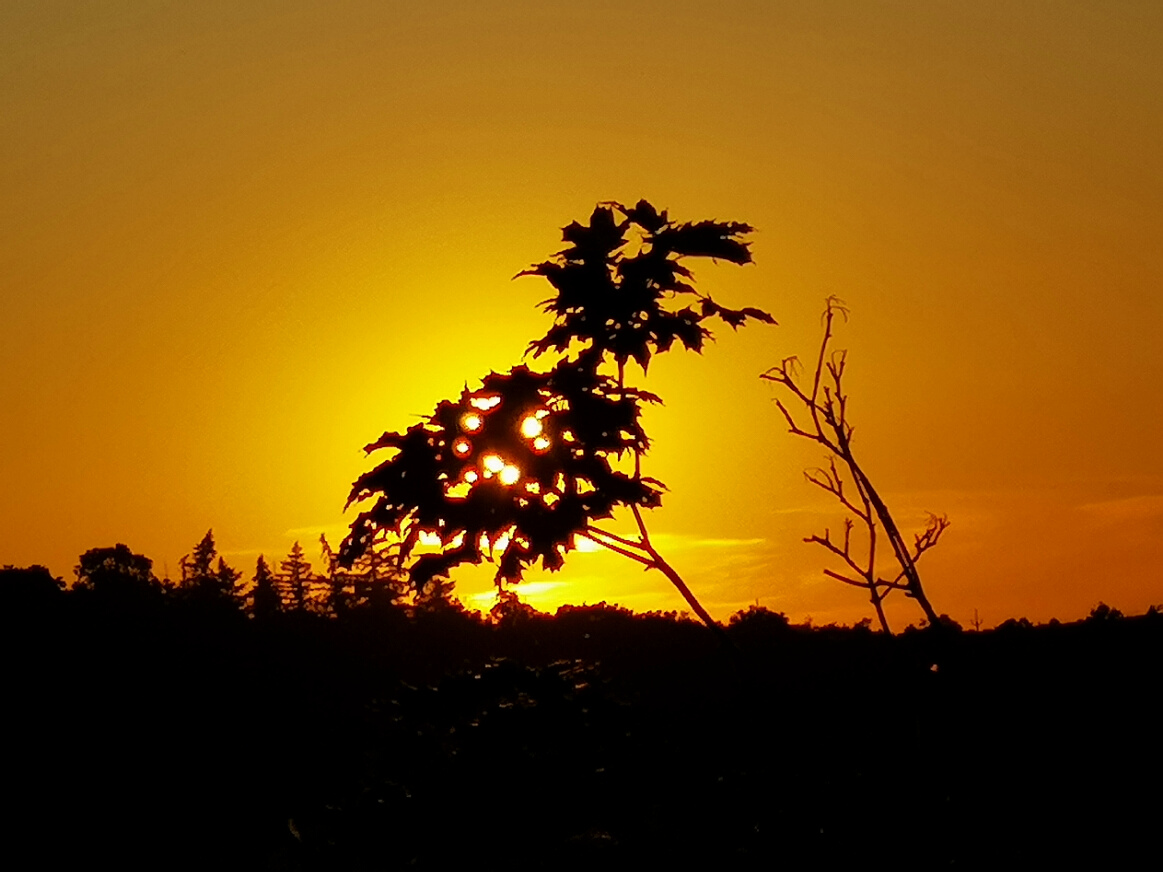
(471, 422)
(484, 403)
(541, 413)
(471, 476)
(462, 446)
(510, 475)
(533, 487)
(568, 436)
(500, 543)
(459, 491)
(540, 443)
(586, 545)
(492, 464)
(530, 427)
(430, 538)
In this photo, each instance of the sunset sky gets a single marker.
(242, 239)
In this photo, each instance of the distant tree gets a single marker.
(265, 599)
(374, 581)
(296, 577)
(25, 587)
(514, 471)
(199, 564)
(1014, 625)
(1102, 613)
(439, 594)
(826, 407)
(116, 572)
(339, 587)
(202, 580)
(757, 615)
(508, 611)
(228, 579)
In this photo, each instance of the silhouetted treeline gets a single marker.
(184, 725)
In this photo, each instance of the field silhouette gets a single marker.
(164, 731)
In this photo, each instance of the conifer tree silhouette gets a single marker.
(265, 599)
(204, 582)
(296, 577)
(519, 468)
(198, 565)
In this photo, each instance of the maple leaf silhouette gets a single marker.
(621, 305)
(516, 470)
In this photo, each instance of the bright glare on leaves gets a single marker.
(515, 470)
(547, 488)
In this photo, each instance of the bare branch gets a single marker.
(937, 524)
(833, 304)
(827, 405)
(845, 579)
(792, 426)
(621, 540)
(831, 481)
(640, 558)
(843, 553)
(786, 373)
(821, 479)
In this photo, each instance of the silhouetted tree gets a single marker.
(378, 581)
(202, 580)
(438, 595)
(339, 593)
(200, 562)
(228, 579)
(24, 587)
(265, 599)
(296, 578)
(116, 572)
(509, 612)
(759, 618)
(514, 471)
(1103, 613)
(826, 406)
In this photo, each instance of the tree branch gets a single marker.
(827, 405)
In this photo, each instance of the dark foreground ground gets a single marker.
(168, 738)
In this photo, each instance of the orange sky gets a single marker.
(241, 239)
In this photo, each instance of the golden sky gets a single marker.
(241, 239)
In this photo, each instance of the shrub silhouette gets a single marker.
(515, 470)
